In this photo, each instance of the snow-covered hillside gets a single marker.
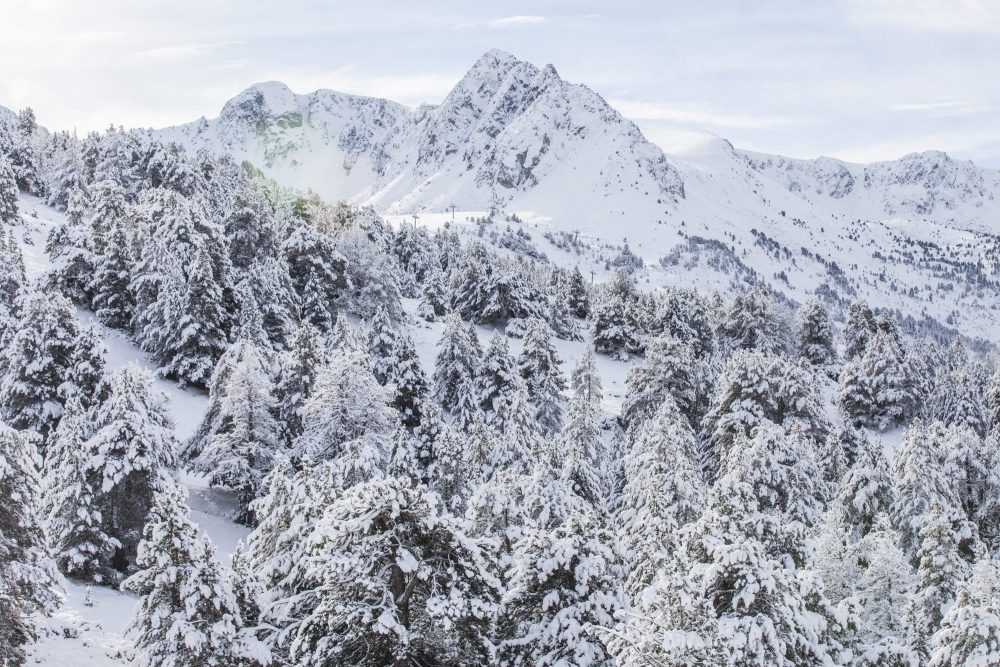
(915, 234)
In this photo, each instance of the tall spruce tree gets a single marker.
(940, 571)
(539, 364)
(751, 322)
(242, 452)
(29, 583)
(663, 491)
(130, 453)
(455, 365)
(814, 334)
(399, 583)
(38, 363)
(859, 327)
(298, 368)
(188, 616)
(8, 194)
(566, 582)
(970, 630)
(81, 548)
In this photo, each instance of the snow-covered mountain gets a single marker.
(916, 234)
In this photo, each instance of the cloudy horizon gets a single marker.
(859, 81)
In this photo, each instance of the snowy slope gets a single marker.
(91, 633)
(81, 635)
(916, 234)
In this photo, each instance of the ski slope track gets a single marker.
(918, 234)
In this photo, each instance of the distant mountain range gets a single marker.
(915, 234)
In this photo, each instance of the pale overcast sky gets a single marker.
(859, 80)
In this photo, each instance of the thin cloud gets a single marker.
(950, 16)
(945, 107)
(701, 117)
(183, 51)
(507, 22)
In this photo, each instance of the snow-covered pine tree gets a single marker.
(455, 365)
(670, 370)
(130, 453)
(497, 380)
(29, 582)
(267, 288)
(671, 625)
(748, 556)
(12, 281)
(538, 364)
(970, 630)
(409, 381)
(566, 582)
(685, 315)
(347, 404)
(559, 315)
(757, 389)
(966, 459)
(318, 272)
(878, 388)
(107, 198)
(577, 297)
(415, 251)
(940, 571)
(342, 336)
(400, 583)
(381, 344)
(814, 334)
(8, 194)
(434, 296)
(85, 378)
(958, 399)
(579, 453)
(924, 479)
(867, 490)
(663, 491)
(297, 372)
(70, 250)
(859, 327)
(373, 276)
(276, 547)
(586, 380)
(872, 581)
(249, 228)
(395, 363)
(198, 337)
(617, 330)
(188, 616)
(67, 174)
(832, 461)
(244, 349)
(242, 452)
(38, 362)
(80, 547)
(988, 514)
(112, 300)
(751, 322)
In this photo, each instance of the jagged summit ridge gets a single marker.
(505, 130)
